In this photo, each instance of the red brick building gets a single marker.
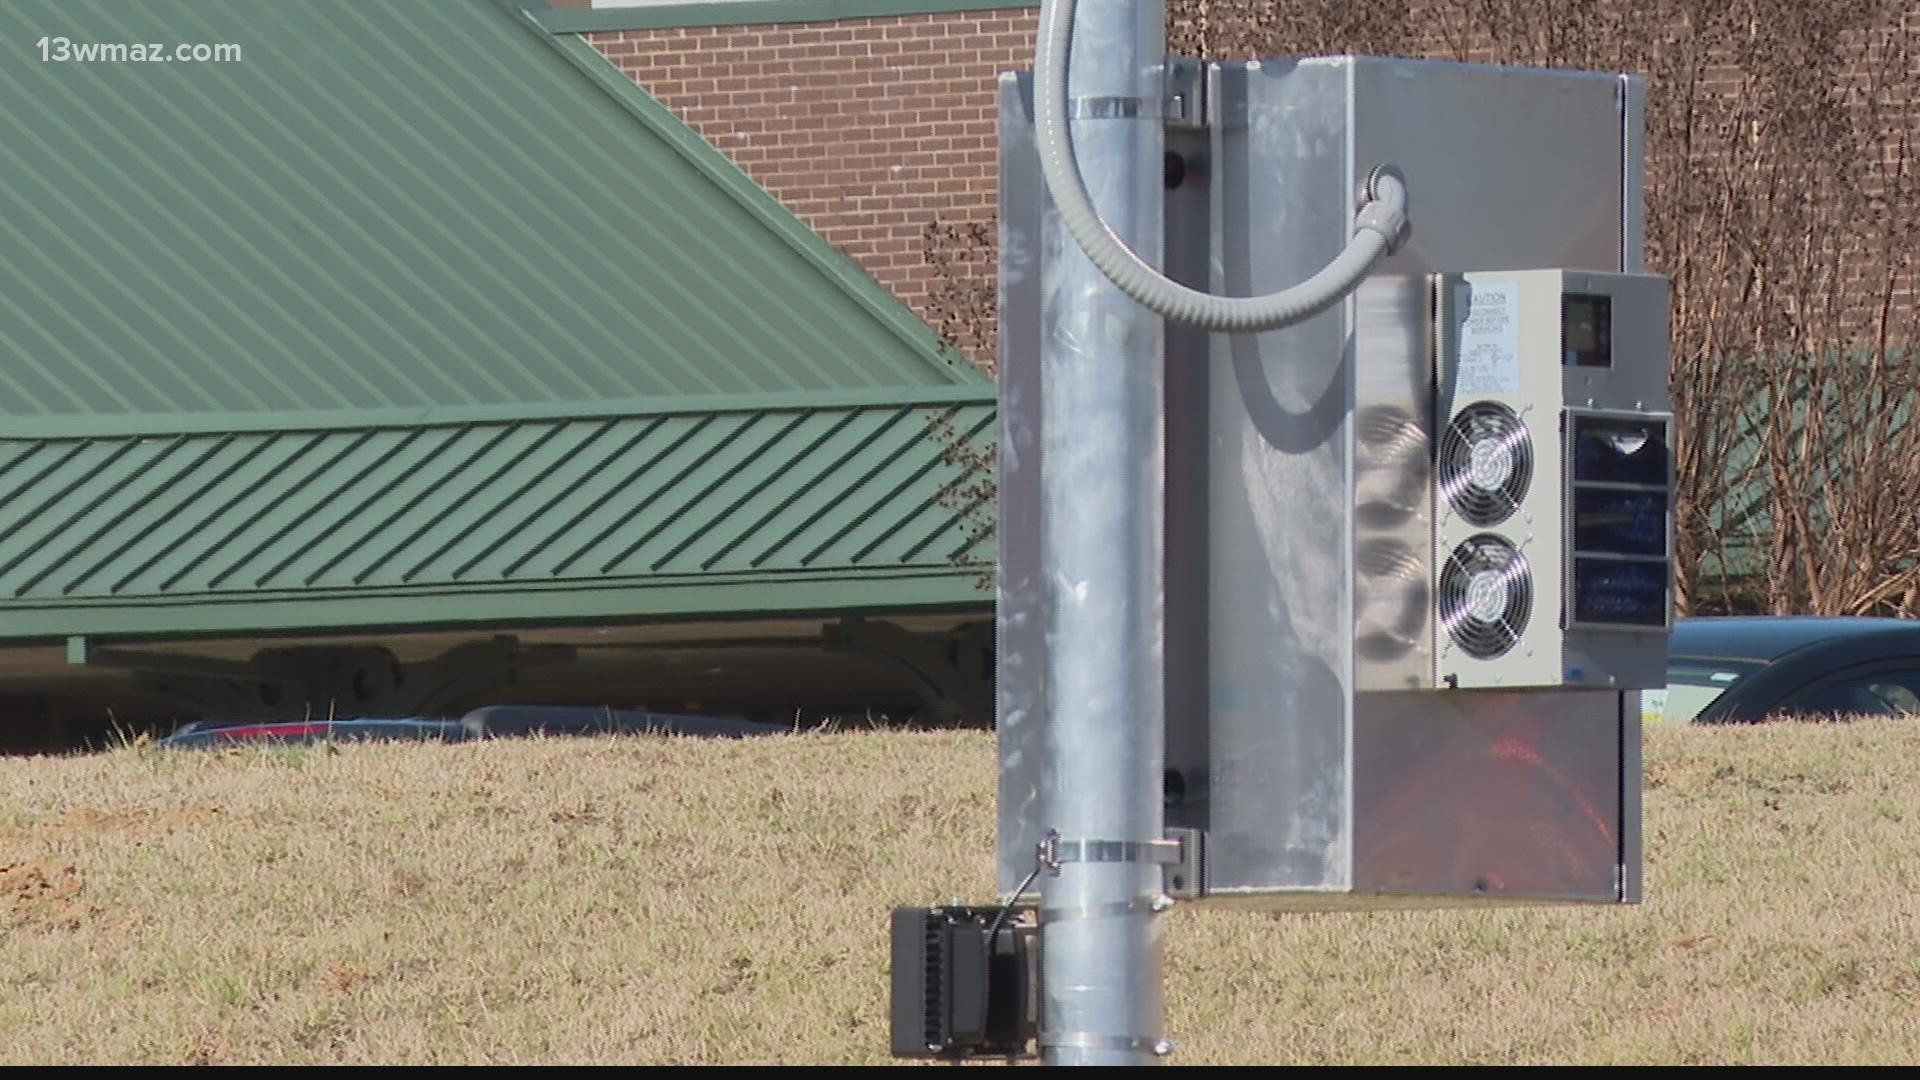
(874, 120)
(871, 119)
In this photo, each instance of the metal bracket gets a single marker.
(1187, 878)
(1182, 853)
(1054, 851)
(1185, 104)
(1117, 909)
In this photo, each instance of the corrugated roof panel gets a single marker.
(901, 478)
(392, 205)
(820, 488)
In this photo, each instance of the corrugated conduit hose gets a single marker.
(1378, 227)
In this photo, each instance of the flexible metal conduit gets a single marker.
(1378, 227)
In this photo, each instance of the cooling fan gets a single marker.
(1391, 462)
(1485, 595)
(1485, 463)
(1391, 590)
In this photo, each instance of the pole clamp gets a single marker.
(1054, 852)
(1182, 853)
(1150, 905)
(1090, 1040)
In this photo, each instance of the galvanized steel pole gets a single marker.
(1102, 529)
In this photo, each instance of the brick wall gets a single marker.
(873, 130)
(870, 129)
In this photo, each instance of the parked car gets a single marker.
(490, 722)
(209, 733)
(1744, 669)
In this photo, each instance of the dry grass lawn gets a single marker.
(649, 900)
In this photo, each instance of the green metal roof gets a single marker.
(661, 15)
(391, 205)
(810, 504)
(418, 315)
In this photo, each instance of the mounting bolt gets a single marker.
(1046, 853)
(1163, 1048)
(1173, 168)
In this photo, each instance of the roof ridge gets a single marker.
(115, 428)
(717, 167)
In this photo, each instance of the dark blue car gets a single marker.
(491, 722)
(1744, 669)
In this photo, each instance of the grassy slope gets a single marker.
(649, 900)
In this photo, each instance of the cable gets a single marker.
(993, 929)
(993, 932)
(1379, 226)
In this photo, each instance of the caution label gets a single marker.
(1489, 335)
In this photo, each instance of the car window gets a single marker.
(1692, 685)
(1677, 704)
(1891, 691)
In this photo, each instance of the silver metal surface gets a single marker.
(1509, 169)
(1550, 400)
(1185, 97)
(1057, 853)
(1021, 691)
(1485, 793)
(1633, 169)
(1135, 906)
(1392, 477)
(1632, 871)
(1190, 375)
(1093, 1040)
(1278, 553)
(1101, 546)
(1020, 688)
(1187, 876)
(1111, 107)
(1299, 531)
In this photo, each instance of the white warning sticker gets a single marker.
(1653, 706)
(1489, 317)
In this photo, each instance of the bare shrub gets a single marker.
(963, 301)
(1783, 206)
(970, 496)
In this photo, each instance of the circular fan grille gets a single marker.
(1485, 596)
(1391, 593)
(1485, 463)
(1391, 458)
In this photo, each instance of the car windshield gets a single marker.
(1693, 683)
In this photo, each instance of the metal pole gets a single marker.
(1102, 529)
